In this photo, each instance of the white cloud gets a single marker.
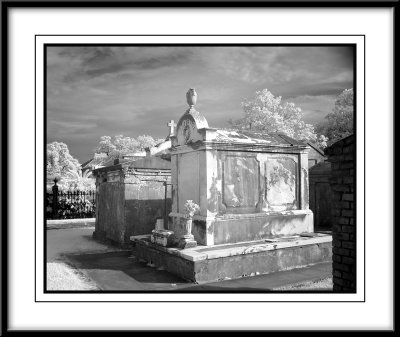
(137, 89)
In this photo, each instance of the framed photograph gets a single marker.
(182, 160)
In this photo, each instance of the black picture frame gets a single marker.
(6, 8)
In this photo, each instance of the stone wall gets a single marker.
(343, 165)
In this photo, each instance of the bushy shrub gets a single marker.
(73, 204)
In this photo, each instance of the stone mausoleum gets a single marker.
(249, 186)
(254, 215)
(131, 196)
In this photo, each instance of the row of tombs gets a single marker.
(252, 193)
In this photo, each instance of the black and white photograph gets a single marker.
(187, 168)
(200, 168)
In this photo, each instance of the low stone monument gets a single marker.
(252, 192)
(130, 196)
(162, 237)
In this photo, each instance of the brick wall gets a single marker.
(342, 157)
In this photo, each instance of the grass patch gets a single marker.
(61, 276)
(323, 284)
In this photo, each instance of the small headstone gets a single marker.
(160, 224)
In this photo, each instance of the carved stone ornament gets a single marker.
(188, 128)
(126, 172)
(188, 226)
(191, 97)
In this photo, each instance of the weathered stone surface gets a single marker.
(206, 264)
(130, 198)
(231, 173)
(264, 225)
(241, 182)
(159, 224)
(281, 183)
(163, 237)
(184, 243)
(188, 127)
(188, 179)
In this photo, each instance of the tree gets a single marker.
(147, 141)
(59, 160)
(266, 113)
(78, 180)
(105, 145)
(79, 175)
(120, 145)
(339, 123)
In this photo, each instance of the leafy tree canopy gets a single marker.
(76, 180)
(267, 113)
(120, 145)
(339, 123)
(59, 160)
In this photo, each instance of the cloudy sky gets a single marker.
(95, 91)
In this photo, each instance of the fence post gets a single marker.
(55, 199)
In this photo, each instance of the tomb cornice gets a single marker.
(190, 147)
(241, 147)
(215, 145)
(195, 217)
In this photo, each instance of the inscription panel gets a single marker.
(240, 184)
(281, 183)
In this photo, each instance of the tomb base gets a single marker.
(187, 241)
(203, 264)
(233, 228)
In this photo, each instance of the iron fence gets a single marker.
(70, 205)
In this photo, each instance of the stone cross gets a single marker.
(172, 126)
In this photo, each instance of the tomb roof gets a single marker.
(153, 162)
(315, 147)
(157, 162)
(339, 143)
(98, 160)
(252, 137)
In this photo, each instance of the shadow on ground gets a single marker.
(116, 270)
(121, 271)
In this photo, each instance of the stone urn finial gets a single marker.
(191, 97)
